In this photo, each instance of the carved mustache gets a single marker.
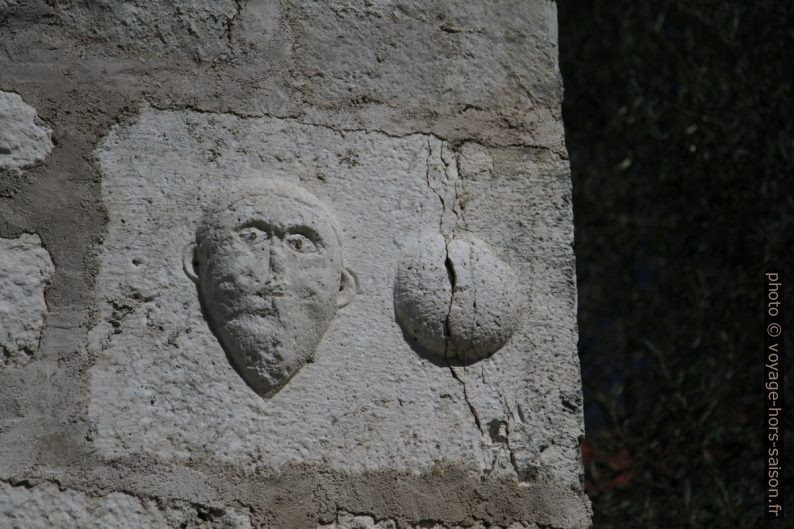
(231, 288)
(259, 303)
(275, 290)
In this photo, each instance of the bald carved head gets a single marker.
(270, 275)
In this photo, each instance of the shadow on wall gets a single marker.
(678, 127)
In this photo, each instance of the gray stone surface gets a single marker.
(440, 65)
(188, 29)
(356, 406)
(22, 140)
(367, 401)
(25, 271)
(46, 506)
(402, 117)
(346, 520)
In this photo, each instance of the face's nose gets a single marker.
(277, 261)
(263, 265)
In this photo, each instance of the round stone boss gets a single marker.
(455, 298)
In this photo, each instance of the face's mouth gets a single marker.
(260, 304)
(272, 290)
(248, 310)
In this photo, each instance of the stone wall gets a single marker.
(290, 264)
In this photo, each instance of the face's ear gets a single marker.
(189, 262)
(348, 288)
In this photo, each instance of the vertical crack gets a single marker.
(443, 178)
(450, 271)
(434, 189)
(510, 450)
(449, 264)
(232, 21)
(451, 160)
(452, 277)
(472, 409)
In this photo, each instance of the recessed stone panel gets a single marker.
(166, 382)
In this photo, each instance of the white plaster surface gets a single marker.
(162, 386)
(25, 270)
(45, 506)
(22, 140)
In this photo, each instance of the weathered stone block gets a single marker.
(22, 140)
(46, 506)
(460, 69)
(367, 399)
(409, 51)
(314, 266)
(178, 28)
(25, 270)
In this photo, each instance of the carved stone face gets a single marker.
(270, 275)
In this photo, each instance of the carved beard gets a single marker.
(269, 339)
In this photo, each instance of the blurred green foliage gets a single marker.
(679, 119)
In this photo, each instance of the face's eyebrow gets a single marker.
(305, 230)
(256, 222)
(282, 218)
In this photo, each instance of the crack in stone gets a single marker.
(472, 409)
(452, 278)
(192, 107)
(448, 262)
(26, 483)
(507, 421)
(510, 450)
(451, 166)
(430, 185)
(231, 22)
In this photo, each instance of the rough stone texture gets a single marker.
(401, 116)
(346, 520)
(22, 141)
(25, 271)
(45, 506)
(182, 28)
(438, 65)
(355, 407)
(368, 401)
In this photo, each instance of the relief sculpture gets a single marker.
(455, 299)
(270, 276)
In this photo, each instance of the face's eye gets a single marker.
(252, 235)
(300, 243)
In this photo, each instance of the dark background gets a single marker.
(679, 118)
